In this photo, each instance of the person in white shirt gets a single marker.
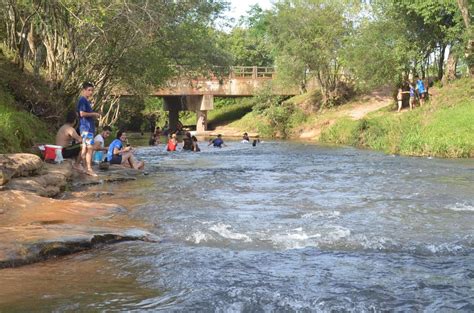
(99, 144)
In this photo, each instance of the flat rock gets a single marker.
(35, 228)
(114, 174)
(17, 165)
(50, 181)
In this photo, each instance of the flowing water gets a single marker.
(283, 226)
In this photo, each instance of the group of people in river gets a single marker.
(417, 91)
(79, 140)
(85, 147)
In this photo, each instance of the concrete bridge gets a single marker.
(197, 94)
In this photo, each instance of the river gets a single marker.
(283, 226)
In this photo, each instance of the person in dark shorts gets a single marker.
(69, 139)
(118, 154)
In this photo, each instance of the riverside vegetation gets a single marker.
(321, 40)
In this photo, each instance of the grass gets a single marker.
(19, 130)
(224, 112)
(444, 127)
(254, 123)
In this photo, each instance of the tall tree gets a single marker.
(127, 44)
(308, 36)
(466, 13)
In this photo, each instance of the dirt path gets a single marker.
(356, 110)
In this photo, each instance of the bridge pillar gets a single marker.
(173, 104)
(207, 103)
(201, 124)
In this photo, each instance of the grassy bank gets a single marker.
(444, 127)
(19, 130)
(226, 110)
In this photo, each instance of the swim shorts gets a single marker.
(87, 138)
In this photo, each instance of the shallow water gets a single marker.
(279, 227)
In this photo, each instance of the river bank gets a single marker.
(46, 212)
(442, 128)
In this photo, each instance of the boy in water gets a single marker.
(218, 142)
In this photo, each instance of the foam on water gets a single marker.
(461, 207)
(197, 237)
(224, 231)
(325, 214)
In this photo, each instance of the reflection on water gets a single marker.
(278, 227)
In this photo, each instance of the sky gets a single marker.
(240, 7)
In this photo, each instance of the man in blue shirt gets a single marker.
(87, 125)
(218, 142)
(420, 86)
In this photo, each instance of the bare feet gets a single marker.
(79, 168)
(91, 173)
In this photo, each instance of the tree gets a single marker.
(466, 13)
(309, 36)
(120, 45)
(248, 43)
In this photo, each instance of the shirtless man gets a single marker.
(65, 137)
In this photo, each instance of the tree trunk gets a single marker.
(469, 52)
(450, 70)
(441, 62)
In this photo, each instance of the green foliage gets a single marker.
(309, 36)
(344, 131)
(226, 110)
(441, 128)
(19, 130)
(254, 122)
(248, 43)
(270, 116)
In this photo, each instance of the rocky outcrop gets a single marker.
(50, 181)
(27, 172)
(18, 165)
(35, 228)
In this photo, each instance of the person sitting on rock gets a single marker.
(69, 139)
(118, 154)
(99, 144)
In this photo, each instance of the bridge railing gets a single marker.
(252, 72)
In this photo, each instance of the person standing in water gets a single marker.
(217, 142)
(245, 138)
(195, 144)
(172, 143)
